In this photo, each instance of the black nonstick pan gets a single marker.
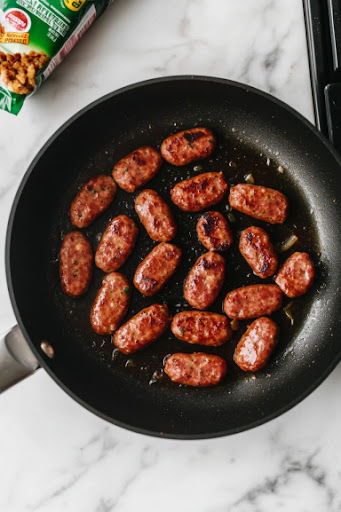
(257, 135)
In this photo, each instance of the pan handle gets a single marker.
(16, 359)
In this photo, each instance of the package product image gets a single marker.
(35, 36)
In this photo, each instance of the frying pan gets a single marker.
(256, 134)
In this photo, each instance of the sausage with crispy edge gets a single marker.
(155, 215)
(187, 146)
(116, 244)
(296, 275)
(92, 199)
(111, 304)
(205, 280)
(202, 327)
(157, 268)
(255, 346)
(136, 169)
(197, 369)
(75, 264)
(259, 202)
(252, 301)
(199, 192)
(214, 231)
(143, 328)
(256, 247)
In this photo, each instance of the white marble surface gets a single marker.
(53, 454)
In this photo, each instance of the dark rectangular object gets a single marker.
(334, 11)
(320, 56)
(333, 111)
(323, 27)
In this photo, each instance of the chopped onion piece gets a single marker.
(288, 312)
(231, 217)
(47, 349)
(288, 243)
(249, 178)
(235, 324)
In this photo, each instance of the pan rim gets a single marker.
(44, 363)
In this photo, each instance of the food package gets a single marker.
(35, 36)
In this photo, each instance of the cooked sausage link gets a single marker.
(202, 327)
(214, 232)
(199, 192)
(75, 264)
(197, 369)
(111, 303)
(143, 328)
(256, 247)
(187, 146)
(116, 244)
(155, 215)
(296, 275)
(136, 169)
(255, 346)
(253, 301)
(157, 268)
(259, 202)
(205, 280)
(93, 198)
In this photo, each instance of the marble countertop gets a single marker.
(56, 456)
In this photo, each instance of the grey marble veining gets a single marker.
(54, 455)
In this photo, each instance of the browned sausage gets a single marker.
(296, 275)
(75, 264)
(143, 328)
(205, 280)
(116, 244)
(252, 301)
(214, 232)
(188, 146)
(259, 202)
(256, 247)
(92, 199)
(111, 304)
(203, 327)
(136, 169)
(255, 346)
(199, 192)
(157, 268)
(155, 215)
(197, 369)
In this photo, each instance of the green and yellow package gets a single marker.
(35, 36)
